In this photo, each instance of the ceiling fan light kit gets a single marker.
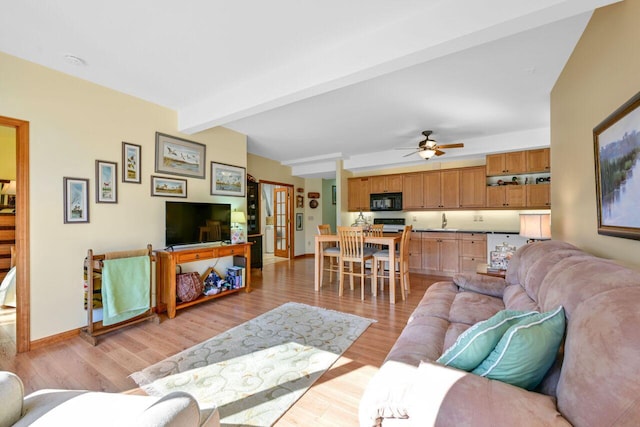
(427, 154)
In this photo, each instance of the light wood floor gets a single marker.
(333, 399)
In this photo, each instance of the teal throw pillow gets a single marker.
(475, 344)
(526, 351)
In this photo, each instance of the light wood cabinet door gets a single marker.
(495, 197)
(393, 184)
(515, 196)
(515, 162)
(431, 184)
(415, 251)
(473, 248)
(539, 160)
(450, 189)
(412, 192)
(358, 197)
(430, 255)
(495, 164)
(473, 187)
(377, 184)
(449, 256)
(539, 195)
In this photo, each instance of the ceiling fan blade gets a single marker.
(439, 153)
(412, 153)
(458, 145)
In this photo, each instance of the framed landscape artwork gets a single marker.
(617, 150)
(131, 162)
(177, 156)
(168, 187)
(227, 180)
(106, 182)
(76, 200)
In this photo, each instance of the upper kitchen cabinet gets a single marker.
(473, 189)
(539, 160)
(386, 184)
(506, 163)
(359, 190)
(412, 193)
(441, 189)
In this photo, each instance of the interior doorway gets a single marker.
(277, 225)
(22, 250)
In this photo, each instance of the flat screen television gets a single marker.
(191, 222)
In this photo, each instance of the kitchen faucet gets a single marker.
(444, 220)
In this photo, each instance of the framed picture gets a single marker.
(299, 221)
(76, 200)
(131, 162)
(333, 194)
(106, 182)
(177, 156)
(617, 151)
(227, 180)
(168, 187)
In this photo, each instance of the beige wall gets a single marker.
(601, 75)
(73, 123)
(7, 152)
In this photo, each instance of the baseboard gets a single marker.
(53, 339)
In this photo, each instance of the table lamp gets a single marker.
(10, 190)
(535, 226)
(237, 232)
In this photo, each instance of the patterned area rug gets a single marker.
(254, 372)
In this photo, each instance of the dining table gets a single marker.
(388, 239)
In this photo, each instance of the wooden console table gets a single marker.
(166, 262)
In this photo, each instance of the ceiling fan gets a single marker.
(428, 147)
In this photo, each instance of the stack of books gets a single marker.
(235, 277)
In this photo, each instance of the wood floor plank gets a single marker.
(332, 401)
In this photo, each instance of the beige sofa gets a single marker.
(595, 380)
(85, 408)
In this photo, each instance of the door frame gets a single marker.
(290, 213)
(23, 295)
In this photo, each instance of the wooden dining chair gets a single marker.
(376, 230)
(402, 259)
(330, 251)
(354, 251)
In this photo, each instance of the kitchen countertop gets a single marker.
(461, 230)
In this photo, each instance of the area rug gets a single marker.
(254, 372)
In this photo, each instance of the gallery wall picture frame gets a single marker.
(334, 198)
(178, 156)
(617, 166)
(168, 187)
(299, 219)
(76, 200)
(106, 182)
(227, 180)
(131, 162)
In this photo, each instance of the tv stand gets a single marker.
(166, 262)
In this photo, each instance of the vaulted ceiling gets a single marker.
(311, 82)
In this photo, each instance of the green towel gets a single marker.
(125, 288)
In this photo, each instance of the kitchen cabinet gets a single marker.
(473, 189)
(539, 160)
(441, 189)
(473, 251)
(412, 193)
(386, 184)
(359, 191)
(415, 251)
(538, 195)
(506, 196)
(440, 253)
(506, 163)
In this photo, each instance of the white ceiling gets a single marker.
(310, 82)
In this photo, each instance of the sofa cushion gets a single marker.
(516, 298)
(475, 344)
(526, 351)
(471, 307)
(480, 283)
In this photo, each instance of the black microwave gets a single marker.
(386, 202)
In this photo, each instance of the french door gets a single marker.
(281, 223)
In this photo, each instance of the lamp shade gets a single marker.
(9, 188)
(237, 217)
(427, 154)
(535, 226)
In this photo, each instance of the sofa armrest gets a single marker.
(444, 396)
(487, 285)
(11, 396)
